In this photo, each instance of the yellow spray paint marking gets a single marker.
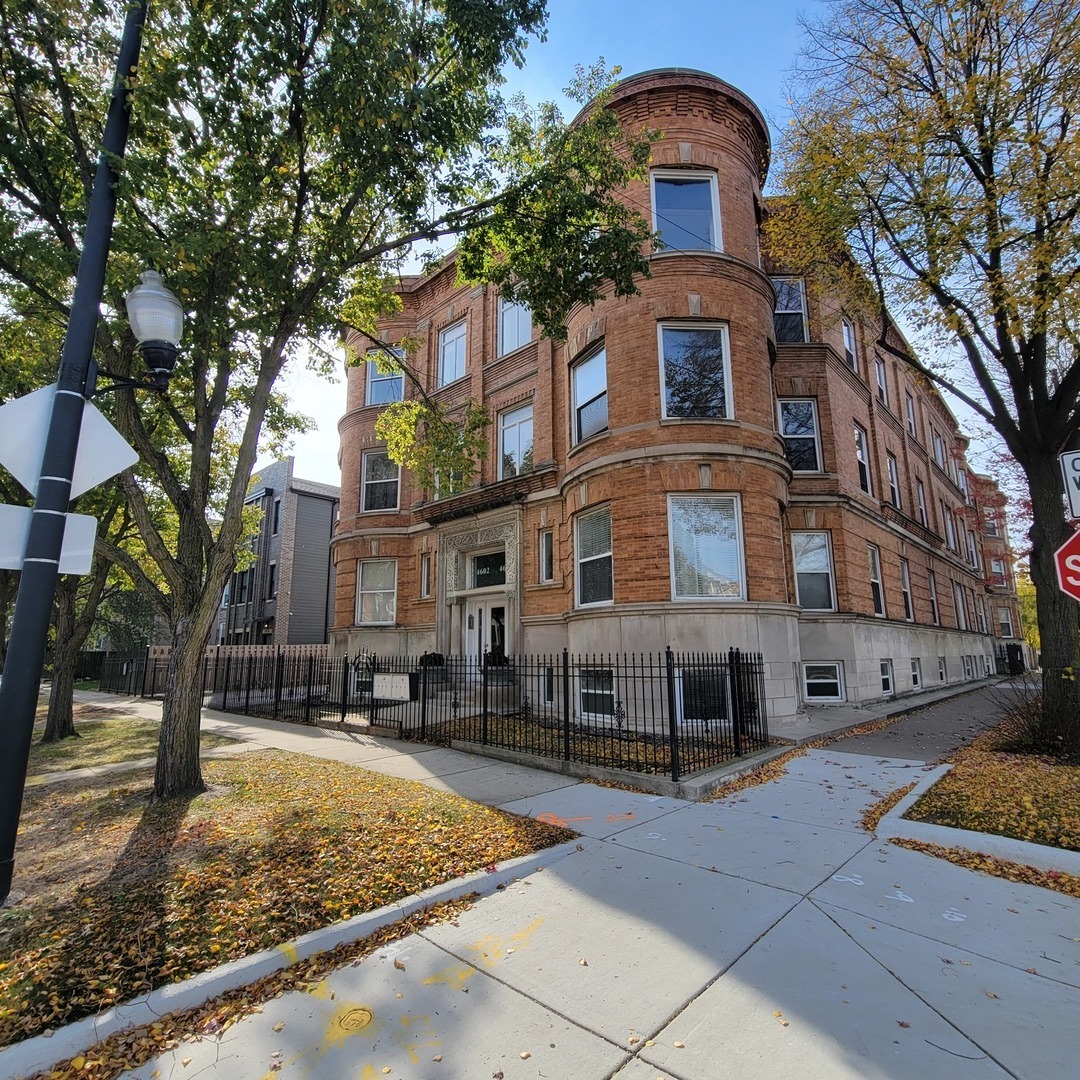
(369, 1072)
(412, 1042)
(454, 977)
(319, 990)
(492, 947)
(288, 950)
(347, 1021)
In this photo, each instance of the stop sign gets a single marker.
(1067, 560)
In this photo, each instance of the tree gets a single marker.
(280, 154)
(933, 162)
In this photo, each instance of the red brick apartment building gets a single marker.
(723, 460)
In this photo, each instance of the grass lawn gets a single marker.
(123, 895)
(102, 738)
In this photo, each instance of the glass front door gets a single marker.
(485, 628)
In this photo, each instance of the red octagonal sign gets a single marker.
(1067, 560)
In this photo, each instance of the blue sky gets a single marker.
(751, 45)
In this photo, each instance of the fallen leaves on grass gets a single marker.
(134, 1047)
(1002, 868)
(876, 812)
(280, 845)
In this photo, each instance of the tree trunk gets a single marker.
(1058, 614)
(178, 770)
(61, 723)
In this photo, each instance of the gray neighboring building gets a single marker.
(286, 598)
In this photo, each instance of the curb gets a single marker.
(893, 825)
(42, 1051)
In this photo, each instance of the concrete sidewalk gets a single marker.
(764, 935)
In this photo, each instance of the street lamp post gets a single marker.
(37, 582)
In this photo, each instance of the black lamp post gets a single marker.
(75, 384)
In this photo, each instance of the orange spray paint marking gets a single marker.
(549, 818)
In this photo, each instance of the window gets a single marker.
(380, 481)
(950, 525)
(862, 457)
(991, 523)
(452, 353)
(706, 556)
(886, 678)
(905, 590)
(961, 609)
(589, 378)
(694, 371)
(939, 448)
(962, 484)
(850, 357)
(686, 211)
(789, 316)
(876, 590)
(813, 570)
(515, 326)
(277, 517)
(980, 614)
(972, 550)
(594, 569)
(997, 571)
(271, 581)
(1005, 623)
(383, 387)
(516, 442)
(376, 591)
(941, 669)
(882, 381)
(799, 430)
(916, 673)
(986, 664)
(935, 614)
(894, 480)
(823, 682)
(920, 501)
(909, 408)
(969, 667)
(597, 691)
(547, 555)
(425, 574)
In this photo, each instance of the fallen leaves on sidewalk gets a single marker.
(876, 812)
(124, 895)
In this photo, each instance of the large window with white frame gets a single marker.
(588, 379)
(516, 442)
(997, 572)
(942, 669)
(887, 686)
(882, 380)
(909, 408)
(515, 326)
(595, 572)
(939, 449)
(386, 386)
(695, 370)
(916, 673)
(706, 547)
(547, 555)
(813, 570)
(452, 342)
(425, 574)
(935, 612)
(789, 315)
(1005, 622)
(894, 480)
(380, 482)
(905, 590)
(877, 589)
(960, 606)
(686, 210)
(376, 592)
(990, 516)
(862, 459)
(973, 550)
(823, 681)
(799, 430)
(850, 356)
(920, 503)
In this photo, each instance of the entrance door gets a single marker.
(485, 628)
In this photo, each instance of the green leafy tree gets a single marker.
(933, 161)
(281, 153)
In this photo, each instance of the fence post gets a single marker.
(673, 726)
(247, 684)
(225, 688)
(484, 699)
(344, 687)
(146, 664)
(374, 666)
(735, 676)
(566, 704)
(423, 699)
(310, 689)
(217, 660)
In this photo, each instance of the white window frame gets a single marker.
(597, 355)
(960, 604)
(368, 456)
(888, 684)
(579, 561)
(851, 354)
(546, 550)
(877, 596)
(801, 311)
(581, 673)
(425, 574)
(882, 381)
(920, 502)
(986, 664)
(1003, 625)
(912, 423)
(513, 334)
(453, 342)
(728, 411)
(862, 459)
(997, 570)
(935, 611)
(916, 673)
(829, 558)
(272, 581)
(990, 521)
(893, 470)
(735, 504)
(815, 437)
(973, 549)
(361, 593)
(837, 665)
(905, 591)
(514, 420)
(713, 243)
(939, 449)
(374, 375)
(969, 667)
(980, 614)
(942, 669)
